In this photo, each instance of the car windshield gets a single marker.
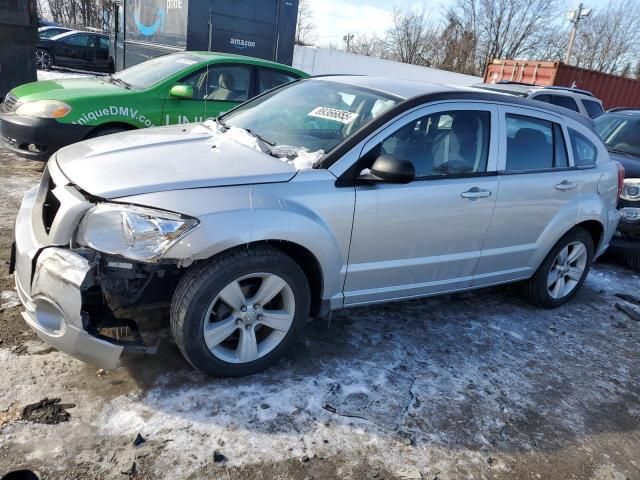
(311, 114)
(147, 74)
(619, 132)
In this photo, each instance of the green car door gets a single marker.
(217, 88)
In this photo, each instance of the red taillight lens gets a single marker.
(620, 178)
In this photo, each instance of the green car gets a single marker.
(37, 119)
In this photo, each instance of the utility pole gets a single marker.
(574, 16)
(347, 39)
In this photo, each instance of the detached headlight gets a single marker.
(44, 109)
(137, 233)
(631, 189)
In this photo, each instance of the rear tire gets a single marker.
(562, 272)
(44, 59)
(633, 262)
(228, 322)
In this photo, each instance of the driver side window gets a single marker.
(443, 143)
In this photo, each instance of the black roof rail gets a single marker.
(570, 89)
(513, 82)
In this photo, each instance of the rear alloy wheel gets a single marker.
(562, 272)
(241, 312)
(44, 60)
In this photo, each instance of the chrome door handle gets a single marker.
(566, 185)
(475, 192)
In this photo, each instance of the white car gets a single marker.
(581, 101)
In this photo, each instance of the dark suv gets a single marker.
(620, 131)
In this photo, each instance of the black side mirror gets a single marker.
(388, 169)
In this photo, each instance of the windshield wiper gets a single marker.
(623, 152)
(222, 123)
(125, 84)
(260, 137)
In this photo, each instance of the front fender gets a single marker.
(303, 212)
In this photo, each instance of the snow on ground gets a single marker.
(472, 385)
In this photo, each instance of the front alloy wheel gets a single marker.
(44, 60)
(249, 318)
(240, 312)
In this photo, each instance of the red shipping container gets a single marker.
(613, 90)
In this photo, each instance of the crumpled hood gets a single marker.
(166, 158)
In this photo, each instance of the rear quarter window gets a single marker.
(585, 152)
(565, 102)
(593, 108)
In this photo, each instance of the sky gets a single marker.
(336, 18)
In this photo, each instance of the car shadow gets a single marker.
(474, 370)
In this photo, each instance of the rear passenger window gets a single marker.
(566, 102)
(268, 79)
(534, 144)
(585, 153)
(443, 143)
(593, 108)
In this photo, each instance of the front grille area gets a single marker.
(50, 207)
(9, 103)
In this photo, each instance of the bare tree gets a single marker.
(305, 27)
(412, 39)
(368, 45)
(504, 28)
(76, 13)
(609, 39)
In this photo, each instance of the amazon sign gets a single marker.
(157, 21)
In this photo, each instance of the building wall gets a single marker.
(321, 61)
(18, 35)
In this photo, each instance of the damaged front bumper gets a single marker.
(50, 279)
(54, 307)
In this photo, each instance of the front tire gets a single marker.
(241, 312)
(44, 59)
(102, 131)
(562, 272)
(633, 262)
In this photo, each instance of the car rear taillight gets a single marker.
(620, 178)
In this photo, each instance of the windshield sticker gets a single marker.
(184, 61)
(342, 116)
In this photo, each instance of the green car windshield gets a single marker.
(147, 74)
(316, 115)
(620, 133)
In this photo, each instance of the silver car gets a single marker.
(322, 194)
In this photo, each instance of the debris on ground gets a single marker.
(139, 440)
(631, 312)
(132, 473)
(48, 411)
(10, 414)
(409, 473)
(9, 299)
(219, 457)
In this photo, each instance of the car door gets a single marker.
(217, 89)
(98, 54)
(71, 51)
(536, 201)
(426, 236)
